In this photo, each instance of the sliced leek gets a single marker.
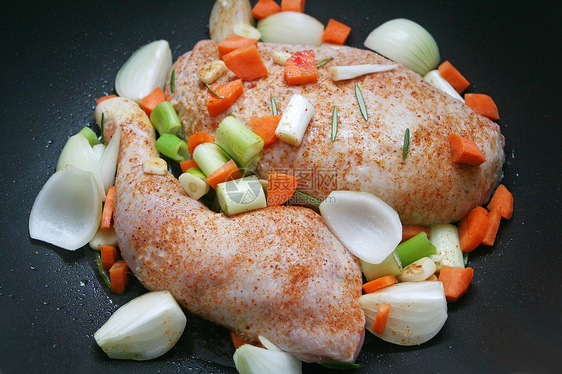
(237, 140)
(295, 120)
(241, 195)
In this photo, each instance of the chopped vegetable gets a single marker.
(437, 81)
(104, 274)
(265, 127)
(301, 68)
(151, 101)
(172, 146)
(119, 277)
(502, 200)
(173, 81)
(482, 104)
(291, 28)
(246, 30)
(188, 164)
(108, 208)
(241, 143)
(197, 138)
(98, 101)
(280, 188)
(415, 248)
(230, 92)
(212, 71)
(108, 255)
(389, 266)
(453, 76)
(265, 8)
(292, 6)
(409, 231)
(281, 57)
(418, 271)
(339, 73)
(494, 220)
(250, 359)
(233, 42)
(241, 195)
(455, 281)
(472, 229)
(238, 341)
(246, 63)
(295, 120)
(226, 172)
(155, 166)
(377, 284)
(359, 220)
(445, 238)
(225, 14)
(465, 151)
(335, 32)
(361, 102)
(165, 119)
(380, 320)
(407, 43)
(194, 183)
(108, 160)
(90, 135)
(334, 123)
(145, 70)
(142, 329)
(103, 237)
(209, 157)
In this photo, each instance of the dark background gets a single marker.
(58, 57)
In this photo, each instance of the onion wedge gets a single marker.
(291, 28)
(269, 360)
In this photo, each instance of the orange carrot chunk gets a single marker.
(280, 188)
(455, 281)
(151, 101)
(292, 6)
(378, 283)
(188, 164)
(301, 68)
(265, 127)
(233, 42)
(199, 137)
(482, 104)
(265, 8)
(228, 171)
(230, 91)
(335, 32)
(238, 341)
(409, 231)
(453, 76)
(494, 218)
(380, 320)
(118, 275)
(98, 101)
(465, 151)
(108, 208)
(246, 63)
(472, 229)
(108, 254)
(502, 201)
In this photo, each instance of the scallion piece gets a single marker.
(165, 119)
(173, 147)
(274, 106)
(361, 102)
(415, 248)
(241, 195)
(334, 122)
(241, 143)
(324, 62)
(295, 120)
(213, 92)
(173, 81)
(90, 135)
(209, 157)
(193, 182)
(406, 144)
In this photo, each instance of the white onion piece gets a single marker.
(144, 328)
(104, 237)
(108, 160)
(291, 28)
(144, 71)
(366, 225)
(250, 359)
(67, 210)
(339, 73)
(405, 42)
(418, 311)
(246, 30)
(98, 150)
(437, 81)
(227, 13)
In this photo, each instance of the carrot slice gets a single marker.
(472, 229)
(98, 101)
(234, 42)
(301, 68)
(188, 164)
(118, 275)
(238, 341)
(199, 137)
(246, 63)
(151, 101)
(382, 317)
(453, 76)
(230, 91)
(465, 151)
(482, 104)
(228, 171)
(265, 127)
(264, 8)
(108, 208)
(494, 218)
(502, 201)
(455, 281)
(280, 188)
(409, 231)
(108, 254)
(378, 283)
(335, 32)
(292, 6)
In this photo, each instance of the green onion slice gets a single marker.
(334, 122)
(361, 102)
(173, 147)
(173, 81)
(324, 62)
(274, 106)
(340, 365)
(406, 144)
(213, 92)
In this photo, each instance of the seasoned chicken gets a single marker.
(276, 272)
(424, 188)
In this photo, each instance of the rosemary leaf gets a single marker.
(334, 122)
(102, 120)
(274, 106)
(213, 92)
(309, 199)
(173, 81)
(361, 102)
(324, 62)
(406, 144)
(101, 270)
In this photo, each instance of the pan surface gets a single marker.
(58, 57)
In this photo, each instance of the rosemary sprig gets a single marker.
(101, 270)
(213, 92)
(324, 62)
(334, 122)
(309, 199)
(102, 120)
(274, 106)
(406, 144)
(361, 102)
(173, 81)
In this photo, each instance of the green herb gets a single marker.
(103, 273)
(361, 102)
(324, 62)
(101, 124)
(340, 365)
(173, 81)
(309, 199)
(406, 144)
(213, 92)
(173, 147)
(274, 106)
(334, 122)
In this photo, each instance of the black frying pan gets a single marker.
(58, 57)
